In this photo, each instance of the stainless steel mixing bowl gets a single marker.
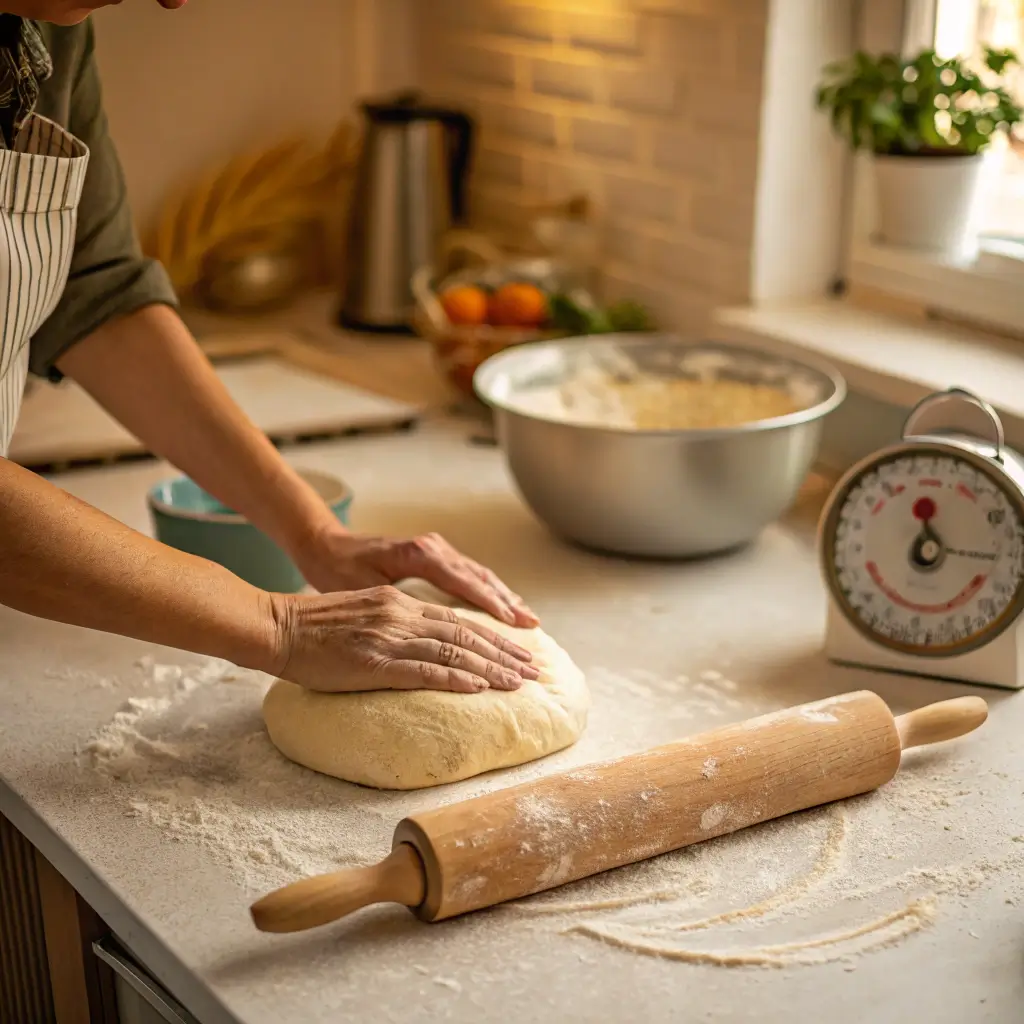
(655, 493)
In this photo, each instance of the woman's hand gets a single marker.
(339, 560)
(381, 639)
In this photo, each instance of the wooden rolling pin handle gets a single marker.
(943, 721)
(399, 878)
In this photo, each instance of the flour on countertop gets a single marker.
(80, 676)
(194, 760)
(710, 694)
(190, 757)
(448, 983)
(840, 903)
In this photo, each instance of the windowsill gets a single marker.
(886, 358)
(990, 290)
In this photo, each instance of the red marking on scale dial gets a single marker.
(924, 509)
(966, 492)
(879, 505)
(929, 482)
(898, 489)
(962, 598)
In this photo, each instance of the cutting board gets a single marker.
(61, 424)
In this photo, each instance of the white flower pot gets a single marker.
(929, 203)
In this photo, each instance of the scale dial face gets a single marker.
(924, 551)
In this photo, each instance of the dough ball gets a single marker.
(392, 739)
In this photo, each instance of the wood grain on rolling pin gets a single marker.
(541, 834)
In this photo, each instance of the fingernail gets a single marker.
(529, 615)
(529, 672)
(513, 679)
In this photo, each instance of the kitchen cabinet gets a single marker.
(141, 999)
(59, 962)
(48, 971)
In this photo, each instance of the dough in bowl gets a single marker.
(392, 739)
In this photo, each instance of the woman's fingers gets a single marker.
(433, 559)
(524, 616)
(439, 613)
(427, 675)
(460, 634)
(459, 581)
(452, 656)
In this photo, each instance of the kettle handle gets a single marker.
(461, 132)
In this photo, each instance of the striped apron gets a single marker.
(41, 182)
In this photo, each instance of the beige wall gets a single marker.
(651, 106)
(198, 84)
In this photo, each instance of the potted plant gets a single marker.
(927, 121)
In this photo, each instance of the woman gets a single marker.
(77, 298)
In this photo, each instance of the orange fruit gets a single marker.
(518, 305)
(465, 304)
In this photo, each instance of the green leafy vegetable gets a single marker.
(576, 314)
(629, 316)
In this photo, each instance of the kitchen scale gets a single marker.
(922, 550)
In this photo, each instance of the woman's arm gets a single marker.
(63, 560)
(114, 332)
(146, 370)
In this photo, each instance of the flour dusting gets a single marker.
(713, 817)
(193, 760)
(823, 886)
(815, 715)
(188, 754)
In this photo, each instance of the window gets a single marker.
(989, 289)
(963, 28)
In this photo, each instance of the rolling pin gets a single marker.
(541, 834)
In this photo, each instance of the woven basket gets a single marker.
(460, 348)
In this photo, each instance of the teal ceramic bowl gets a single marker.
(187, 518)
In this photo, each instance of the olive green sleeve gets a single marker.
(109, 275)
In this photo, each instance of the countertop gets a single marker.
(903, 905)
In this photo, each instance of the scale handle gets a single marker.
(970, 398)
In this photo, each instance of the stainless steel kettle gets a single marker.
(410, 189)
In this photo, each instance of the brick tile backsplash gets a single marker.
(714, 216)
(526, 21)
(523, 123)
(628, 245)
(482, 64)
(634, 201)
(609, 139)
(650, 106)
(687, 154)
(693, 43)
(683, 261)
(498, 166)
(646, 92)
(562, 79)
(606, 33)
